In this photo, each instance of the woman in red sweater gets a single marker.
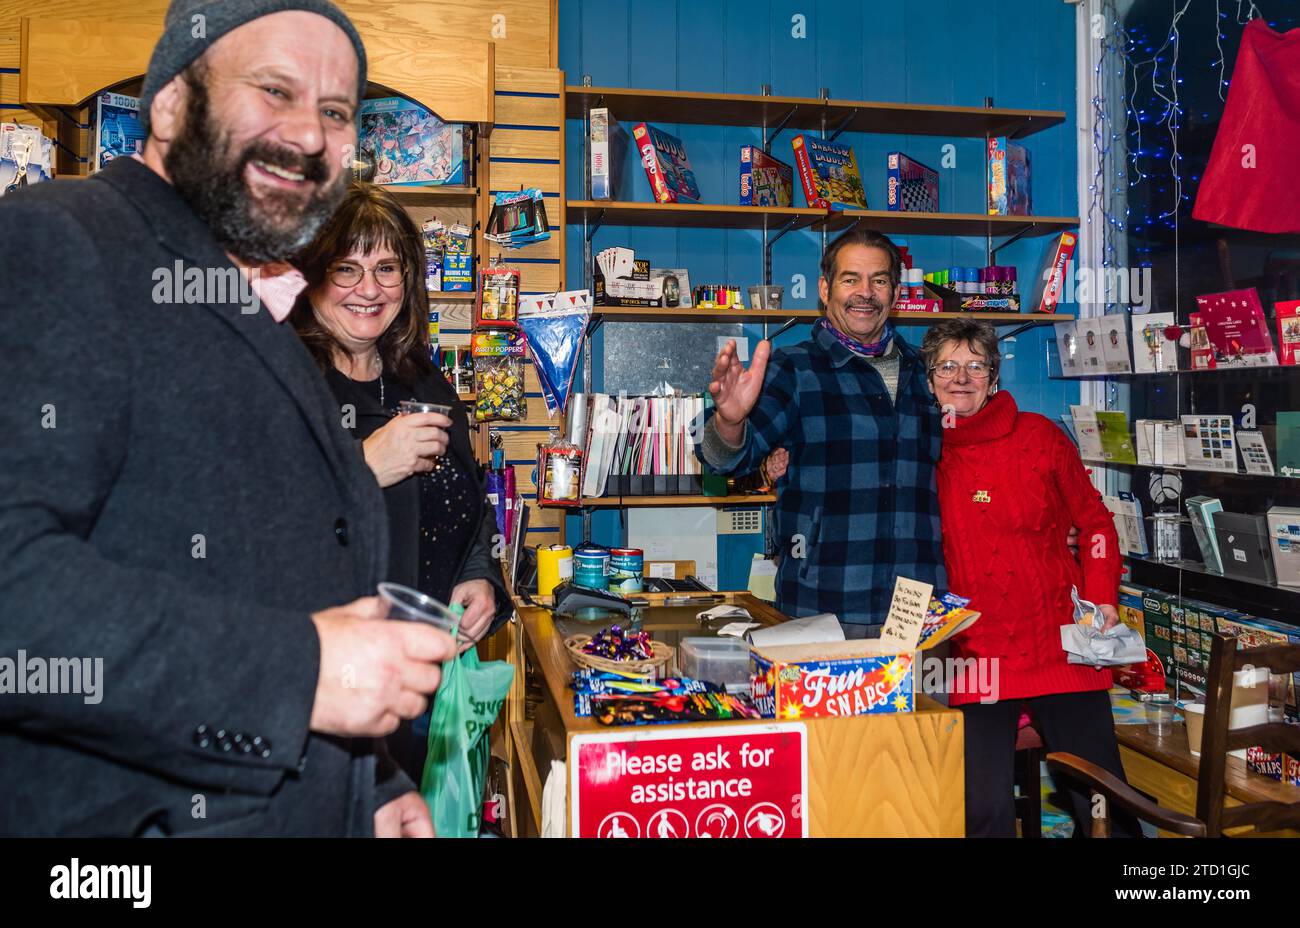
(1011, 485)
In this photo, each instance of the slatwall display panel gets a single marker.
(514, 79)
(511, 176)
(531, 112)
(546, 251)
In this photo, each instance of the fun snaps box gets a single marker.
(844, 678)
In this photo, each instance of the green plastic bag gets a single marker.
(455, 768)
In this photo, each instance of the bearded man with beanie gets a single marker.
(177, 501)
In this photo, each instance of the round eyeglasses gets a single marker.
(978, 370)
(346, 274)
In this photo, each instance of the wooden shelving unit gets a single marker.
(720, 216)
(617, 502)
(827, 118)
(811, 113)
(960, 224)
(690, 215)
(451, 296)
(434, 194)
(655, 314)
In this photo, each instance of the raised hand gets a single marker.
(735, 390)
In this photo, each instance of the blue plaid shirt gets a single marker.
(860, 489)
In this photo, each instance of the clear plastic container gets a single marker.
(723, 660)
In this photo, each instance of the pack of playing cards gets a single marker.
(619, 279)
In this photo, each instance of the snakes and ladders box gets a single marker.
(828, 174)
(847, 678)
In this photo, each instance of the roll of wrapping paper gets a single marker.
(575, 429)
(554, 564)
(498, 496)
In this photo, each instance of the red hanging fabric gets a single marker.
(1257, 187)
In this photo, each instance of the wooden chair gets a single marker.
(1216, 741)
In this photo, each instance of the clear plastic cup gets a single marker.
(408, 605)
(410, 407)
(1160, 715)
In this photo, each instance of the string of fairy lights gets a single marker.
(1137, 113)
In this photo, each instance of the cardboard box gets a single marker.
(409, 145)
(1157, 608)
(1008, 178)
(1050, 284)
(1130, 610)
(842, 678)
(1282, 767)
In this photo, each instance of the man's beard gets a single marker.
(274, 226)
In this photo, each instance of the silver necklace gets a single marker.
(379, 360)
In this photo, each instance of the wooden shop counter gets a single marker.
(895, 775)
(1165, 768)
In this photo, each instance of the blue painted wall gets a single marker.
(953, 52)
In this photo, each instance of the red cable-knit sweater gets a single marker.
(1010, 486)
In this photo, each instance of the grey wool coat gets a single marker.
(176, 499)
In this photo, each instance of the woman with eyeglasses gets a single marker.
(365, 319)
(1011, 486)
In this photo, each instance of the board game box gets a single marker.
(115, 128)
(911, 186)
(408, 145)
(666, 165)
(829, 174)
(1009, 192)
(764, 181)
(608, 156)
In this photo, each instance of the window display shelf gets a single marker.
(1197, 567)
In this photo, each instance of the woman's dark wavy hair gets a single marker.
(370, 218)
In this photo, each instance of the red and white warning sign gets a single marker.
(730, 782)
